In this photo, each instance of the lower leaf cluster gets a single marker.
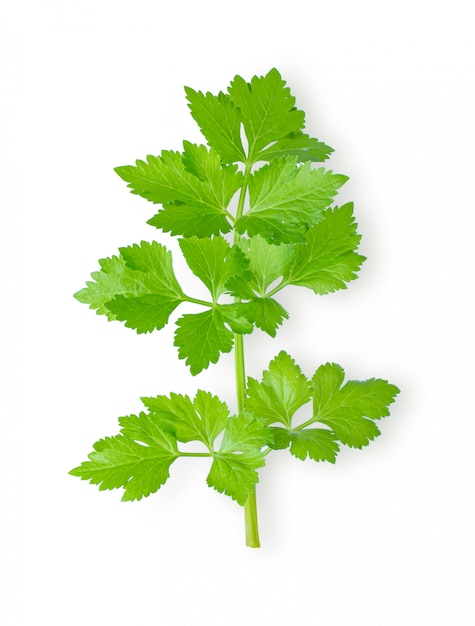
(139, 458)
(341, 414)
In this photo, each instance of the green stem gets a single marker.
(240, 371)
(196, 301)
(242, 196)
(305, 424)
(283, 283)
(195, 454)
(250, 508)
(250, 516)
(312, 420)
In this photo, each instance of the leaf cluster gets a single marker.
(340, 413)
(276, 206)
(139, 458)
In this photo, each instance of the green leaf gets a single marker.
(303, 147)
(267, 262)
(201, 420)
(150, 264)
(154, 260)
(235, 474)
(241, 287)
(201, 338)
(266, 313)
(213, 261)
(233, 471)
(219, 121)
(280, 438)
(139, 287)
(111, 280)
(144, 314)
(236, 316)
(283, 390)
(327, 260)
(267, 108)
(165, 180)
(349, 410)
(213, 413)
(122, 462)
(147, 429)
(315, 443)
(187, 221)
(245, 433)
(222, 180)
(286, 198)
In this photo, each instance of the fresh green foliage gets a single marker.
(285, 199)
(347, 411)
(139, 459)
(138, 288)
(253, 215)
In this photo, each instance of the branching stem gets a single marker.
(197, 301)
(207, 454)
(283, 283)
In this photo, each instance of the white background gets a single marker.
(384, 537)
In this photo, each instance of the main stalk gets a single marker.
(250, 508)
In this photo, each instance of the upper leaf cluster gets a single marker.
(195, 187)
(266, 110)
(254, 179)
